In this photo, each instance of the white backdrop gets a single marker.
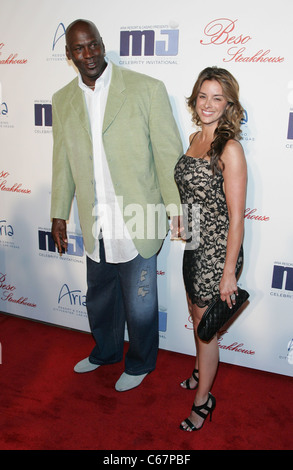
(254, 40)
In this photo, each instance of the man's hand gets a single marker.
(59, 234)
(177, 229)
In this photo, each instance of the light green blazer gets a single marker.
(142, 145)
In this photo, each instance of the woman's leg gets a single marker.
(207, 359)
(191, 383)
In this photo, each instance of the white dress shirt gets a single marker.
(117, 242)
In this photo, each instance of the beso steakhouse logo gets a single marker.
(221, 32)
(15, 188)
(11, 59)
(253, 215)
(8, 291)
(235, 346)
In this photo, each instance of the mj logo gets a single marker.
(75, 243)
(290, 127)
(290, 101)
(282, 278)
(43, 115)
(135, 39)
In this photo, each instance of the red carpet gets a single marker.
(46, 406)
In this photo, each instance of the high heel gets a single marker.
(197, 410)
(187, 381)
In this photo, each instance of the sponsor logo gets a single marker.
(290, 127)
(4, 122)
(59, 33)
(235, 347)
(161, 276)
(252, 214)
(43, 114)
(58, 45)
(8, 58)
(7, 235)
(71, 297)
(246, 135)
(6, 230)
(290, 352)
(71, 301)
(43, 117)
(48, 248)
(155, 44)
(11, 187)
(162, 320)
(8, 293)
(287, 355)
(225, 32)
(3, 109)
(290, 119)
(282, 280)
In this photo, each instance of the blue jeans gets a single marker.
(119, 293)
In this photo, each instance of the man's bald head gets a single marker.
(80, 24)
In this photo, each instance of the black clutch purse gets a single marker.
(217, 314)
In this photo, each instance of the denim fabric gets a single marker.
(119, 293)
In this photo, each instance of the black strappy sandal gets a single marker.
(187, 381)
(197, 410)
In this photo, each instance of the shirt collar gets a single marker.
(102, 82)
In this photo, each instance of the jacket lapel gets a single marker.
(115, 101)
(116, 97)
(79, 108)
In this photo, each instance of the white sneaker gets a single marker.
(127, 382)
(85, 366)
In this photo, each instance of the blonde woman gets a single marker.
(212, 175)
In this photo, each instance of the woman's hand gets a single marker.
(228, 289)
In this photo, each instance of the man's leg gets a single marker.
(105, 311)
(138, 280)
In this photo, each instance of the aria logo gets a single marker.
(59, 33)
(71, 297)
(3, 109)
(58, 45)
(6, 230)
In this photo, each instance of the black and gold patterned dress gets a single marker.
(207, 222)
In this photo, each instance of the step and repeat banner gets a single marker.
(173, 42)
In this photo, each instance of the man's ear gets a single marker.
(68, 55)
(103, 45)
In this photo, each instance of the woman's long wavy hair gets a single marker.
(229, 126)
